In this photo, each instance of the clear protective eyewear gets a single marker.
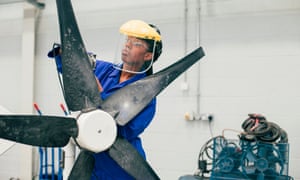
(136, 43)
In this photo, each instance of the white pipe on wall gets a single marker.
(198, 32)
(27, 82)
(185, 33)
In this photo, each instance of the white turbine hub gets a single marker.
(97, 130)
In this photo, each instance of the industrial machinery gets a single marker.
(261, 152)
(242, 159)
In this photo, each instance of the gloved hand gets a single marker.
(55, 53)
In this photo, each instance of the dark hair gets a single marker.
(157, 51)
(151, 43)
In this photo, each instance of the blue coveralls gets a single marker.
(106, 168)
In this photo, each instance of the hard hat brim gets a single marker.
(140, 29)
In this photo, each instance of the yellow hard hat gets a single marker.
(140, 29)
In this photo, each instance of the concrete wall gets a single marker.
(251, 66)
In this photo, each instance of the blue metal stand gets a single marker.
(43, 152)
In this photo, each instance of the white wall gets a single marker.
(251, 65)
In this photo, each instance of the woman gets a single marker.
(141, 49)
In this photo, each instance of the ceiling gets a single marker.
(10, 1)
(36, 3)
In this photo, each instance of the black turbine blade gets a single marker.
(83, 166)
(131, 161)
(45, 131)
(127, 102)
(81, 89)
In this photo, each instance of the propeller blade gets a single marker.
(81, 89)
(5, 144)
(130, 160)
(45, 131)
(127, 102)
(83, 166)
